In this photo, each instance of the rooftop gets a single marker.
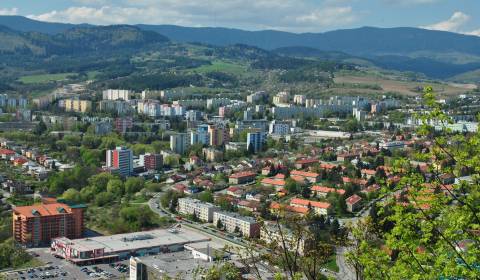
(43, 210)
(137, 240)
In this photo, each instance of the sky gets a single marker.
(461, 16)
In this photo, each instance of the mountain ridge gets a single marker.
(437, 54)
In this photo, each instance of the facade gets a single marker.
(123, 124)
(37, 224)
(281, 98)
(212, 154)
(204, 211)
(279, 127)
(122, 246)
(354, 203)
(257, 97)
(299, 99)
(311, 177)
(119, 107)
(320, 208)
(242, 178)
(200, 136)
(256, 140)
(179, 143)
(117, 94)
(235, 223)
(121, 159)
(218, 135)
(79, 106)
(153, 161)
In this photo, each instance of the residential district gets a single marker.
(155, 184)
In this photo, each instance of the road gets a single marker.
(345, 271)
(153, 202)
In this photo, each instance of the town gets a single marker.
(237, 140)
(211, 172)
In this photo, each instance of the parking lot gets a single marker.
(59, 269)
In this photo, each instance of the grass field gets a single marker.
(44, 78)
(222, 66)
(407, 88)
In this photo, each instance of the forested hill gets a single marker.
(79, 39)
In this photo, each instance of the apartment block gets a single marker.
(204, 211)
(37, 224)
(233, 222)
(79, 106)
(120, 159)
(116, 94)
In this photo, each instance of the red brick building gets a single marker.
(37, 224)
(153, 161)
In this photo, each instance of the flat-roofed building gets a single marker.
(122, 246)
(232, 222)
(203, 211)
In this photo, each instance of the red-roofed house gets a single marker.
(276, 207)
(368, 173)
(235, 192)
(270, 182)
(242, 177)
(179, 188)
(304, 163)
(320, 208)
(311, 177)
(6, 154)
(353, 203)
(322, 191)
(249, 205)
(346, 156)
(19, 161)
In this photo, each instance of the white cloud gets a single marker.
(453, 24)
(411, 2)
(474, 32)
(290, 15)
(328, 16)
(9, 12)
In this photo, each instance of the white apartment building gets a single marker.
(233, 222)
(204, 211)
(117, 94)
(257, 96)
(191, 103)
(281, 98)
(217, 102)
(299, 99)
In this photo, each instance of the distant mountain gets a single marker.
(79, 39)
(437, 54)
(25, 24)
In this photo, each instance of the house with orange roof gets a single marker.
(277, 208)
(353, 203)
(368, 173)
(273, 182)
(320, 208)
(311, 177)
(323, 191)
(37, 224)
